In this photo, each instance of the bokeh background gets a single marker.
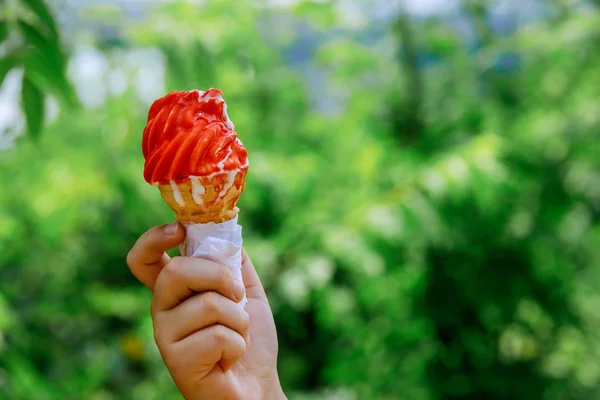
(422, 205)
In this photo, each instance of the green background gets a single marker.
(422, 204)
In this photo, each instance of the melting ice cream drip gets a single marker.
(205, 96)
(247, 163)
(221, 164)
(198, 190)
(229, 180)
(177, 194)
(226, 118)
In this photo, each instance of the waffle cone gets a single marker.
(202, 200)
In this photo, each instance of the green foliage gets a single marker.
(41, 11)
(321, 13)
(6, 64)
(447, 252)
(33, 105)
(36, 47)
(3, 30)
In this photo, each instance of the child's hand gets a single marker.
(213, 348)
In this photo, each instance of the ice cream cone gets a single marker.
(205, 199)
(193, 155)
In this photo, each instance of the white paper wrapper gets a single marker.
(221, 243)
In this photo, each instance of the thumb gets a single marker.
(254, 287)
(147, 257)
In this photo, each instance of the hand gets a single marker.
(212, 347)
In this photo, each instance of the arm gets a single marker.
(212, 347)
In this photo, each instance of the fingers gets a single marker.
(147, 257)
(200, 351)
(197, 321)
(201, 311)
(183, 277)
(254, 287)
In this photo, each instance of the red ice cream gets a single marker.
(194, 156)
(190, 134)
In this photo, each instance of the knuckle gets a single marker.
(225, 280)
(219, 334)
(174, 363)
(176, 262)
(159, 336)
(172, 269)
(210, 302)
(154, 308)
(176, 366)
(130, 260)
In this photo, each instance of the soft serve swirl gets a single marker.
(189, 134)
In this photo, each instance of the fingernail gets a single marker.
(238, 290)
(171, 229)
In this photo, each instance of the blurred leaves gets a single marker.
(321, 13)
(45, 63)
(40, 54)
(3, 30)
(43, 13)
(192, 66)
(461, 265)
(7, 318)
(6, 64)
(33, 105)
(36, 38)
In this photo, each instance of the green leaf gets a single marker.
(45, 64)
(43, 13)
(45, 74)
(321, 13)
(6, 64)
(33, 104)
(3, 30)
(51, 52)
(37, 39)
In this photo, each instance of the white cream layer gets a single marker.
(198, 189)
(177, 194)
(229, 179)
(203, 98)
